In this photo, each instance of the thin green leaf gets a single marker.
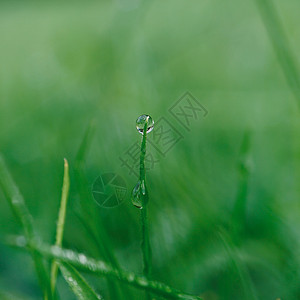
(61, 220)
(281, 45)
(94, 225)
(87, 202)
(239, 209)
(140, 197)
(4, 295)
(146, 246)
(97, 267)
(78, 284)
(85, 144)
(21, 212)
(238, 266)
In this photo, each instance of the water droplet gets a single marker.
(141, 122)
(55, 250)
(82, 258)
(139, 196)
(21, 241)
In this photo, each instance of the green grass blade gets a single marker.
(61, 221)
(21, 212)
(5, 295)
(281, 45)
(140, 199)
(101, 268)
(15, 199)
(81, 181)
(146, 247)
(87, 203)
(94, 225)
(238, 266)
(239, 209)
(78, 284)
(85, 144)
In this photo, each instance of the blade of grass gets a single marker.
(80, 177)
(87, 202)
(281, 45)
(239, 267)
(146, 246)
(61, 221)
(102, 268)
(239, 209)
(78, 284)
(94, 225)
(21, 212)
(140, 197)
(4, 295)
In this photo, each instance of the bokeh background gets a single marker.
(224, 201)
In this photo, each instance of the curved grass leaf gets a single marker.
(21, 212)
(87, 202)
(281, 45)
(92, 224)
(101, 268)
(239, 209)
(78, 284)
(146, 247)
(61, 220)
(4, 295)
(240, 269)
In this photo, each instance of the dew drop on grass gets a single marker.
(82, 258)
(21, 241)
(139, 194)
(141, 122)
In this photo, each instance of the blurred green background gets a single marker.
(224, 201)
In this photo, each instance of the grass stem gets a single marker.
(19, 208)
(61, 221)
(146, 247)
(281, 45)
(97, 267)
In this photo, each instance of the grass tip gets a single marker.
(66, 164)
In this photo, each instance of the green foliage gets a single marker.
(235, 171)
(61, 220)
(140, 196)
(281, 45)
(78, 284)
(101, 268)
(94, 227)
(20, 210)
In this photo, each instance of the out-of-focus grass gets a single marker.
(63, 65)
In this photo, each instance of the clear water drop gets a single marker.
(141, 122)
(139, 196)
(21, 241)
(82, 258)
